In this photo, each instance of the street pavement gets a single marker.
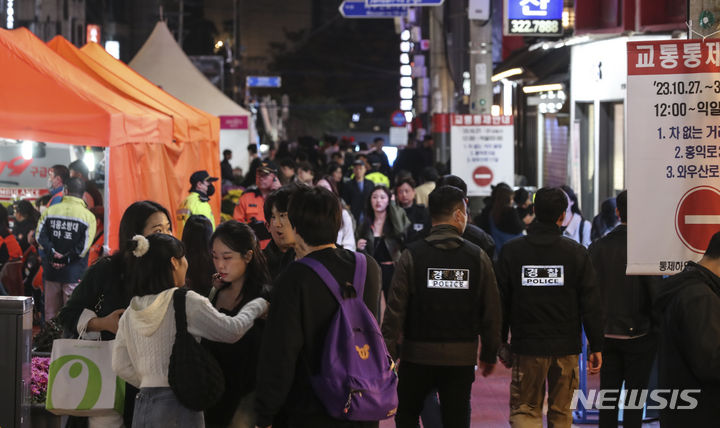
(490, 401)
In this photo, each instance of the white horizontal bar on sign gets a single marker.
(702, 219)
(481, 176)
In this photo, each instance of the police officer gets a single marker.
(443, 294)
(549, 293)
(197, 202)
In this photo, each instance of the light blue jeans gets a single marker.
(158, 407)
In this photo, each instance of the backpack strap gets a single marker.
(360, 274)
(179, 306)
(331, 282)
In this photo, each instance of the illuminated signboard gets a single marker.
(533, 17)
(93, 33)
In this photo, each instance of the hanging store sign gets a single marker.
(533, 17)
(482, 151)
(93, 33)
(673, 151)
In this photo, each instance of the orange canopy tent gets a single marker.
(195, 132)
(45, 98)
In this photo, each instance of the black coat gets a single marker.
(546, 310)
(689, 352)
(627, 301)
(356, 198)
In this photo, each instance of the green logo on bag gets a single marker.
(94, 384)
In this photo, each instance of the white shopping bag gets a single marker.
(81, 381)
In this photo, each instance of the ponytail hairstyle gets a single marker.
(239, 237)
(151, 271)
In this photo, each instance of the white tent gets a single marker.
(162, 61)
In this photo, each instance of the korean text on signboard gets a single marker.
(482, 151)
(673, 152)
(533, 17)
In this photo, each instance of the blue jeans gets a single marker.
(158, 407)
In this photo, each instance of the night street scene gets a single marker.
(359, 213)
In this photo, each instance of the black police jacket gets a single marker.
(445, 302)
(549, 292)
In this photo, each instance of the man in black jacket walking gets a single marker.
(301, 313)
(549, 292)
(689, 351)
(630, 343)
(443, 295)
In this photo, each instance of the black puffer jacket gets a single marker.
(627, 300)
(689, 352)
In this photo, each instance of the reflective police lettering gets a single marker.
(543, 276)
(449, 279)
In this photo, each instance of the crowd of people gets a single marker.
(521, 281)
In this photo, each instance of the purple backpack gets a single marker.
(357, 380)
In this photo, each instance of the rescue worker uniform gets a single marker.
(66, 229)
(549, 293)
(443, 295)
(250, 210)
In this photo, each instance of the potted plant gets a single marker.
(40, 418)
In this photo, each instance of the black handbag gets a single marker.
(194, 374)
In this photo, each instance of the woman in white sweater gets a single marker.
(146, 332)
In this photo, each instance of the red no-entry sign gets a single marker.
(697, 217)
(482, 176)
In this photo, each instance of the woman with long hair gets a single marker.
(382, 233)
(146, 332)
(346, 234)
(241, 277)
(103, 294)
(575, 226)
(196, 238)
(505, 223)
(26, 220)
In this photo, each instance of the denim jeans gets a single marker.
(158, 407)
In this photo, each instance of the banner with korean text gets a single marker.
(482, 151)
(673, 149)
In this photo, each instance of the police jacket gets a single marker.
(443, 295)
(67, 228)
(689, 351)
(626, 298)
(194, 204)
(549, 291)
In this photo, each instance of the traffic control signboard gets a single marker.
(404, 3)
(482, 151)
(673, 153)
(264, 81)
(398, 118)
(697, 217)
(358, 9)
(482, 176)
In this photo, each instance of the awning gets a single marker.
(196, 133)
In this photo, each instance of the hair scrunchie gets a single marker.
(142, 245)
